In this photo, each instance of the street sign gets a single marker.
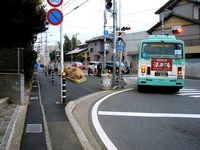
(121, 45)
(54, 3)
(105, 32)
(86, 56)
(54, 16)
(106, 45)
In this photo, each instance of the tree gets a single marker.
(68, 45)
(22, 21)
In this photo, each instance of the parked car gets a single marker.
(78, 64)
(124, 68)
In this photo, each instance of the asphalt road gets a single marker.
(133, 120)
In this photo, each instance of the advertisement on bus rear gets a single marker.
(161, 64)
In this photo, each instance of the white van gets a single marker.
(93, 66)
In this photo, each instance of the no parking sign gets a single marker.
(54, 3)
(54, 16)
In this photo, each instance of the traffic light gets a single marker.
(176, 29)
(125, 28)
(108, 4)
(119, 33)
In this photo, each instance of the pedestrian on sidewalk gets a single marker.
(50, 67)
(89, 71)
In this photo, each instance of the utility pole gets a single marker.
(104, 51)
(120, 52)
(114, 41)
(162, 20)
(63, 97)
(71, 51)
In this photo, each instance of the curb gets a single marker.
(12, 140)
(79, 133)
(76, 80)
(4, 101)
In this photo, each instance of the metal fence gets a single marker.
(11, 60)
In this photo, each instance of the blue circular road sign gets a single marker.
(105, 32)
(54, 16)
(54, 3)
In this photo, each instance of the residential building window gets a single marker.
(91, 50)
(199, 14)
(95, 44)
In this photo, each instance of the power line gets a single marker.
(76, 7)
(69, 4)
(139, 12)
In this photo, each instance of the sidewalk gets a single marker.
(13, 117)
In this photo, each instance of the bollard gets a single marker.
(52, 76)
(64, 87)
(117, 80)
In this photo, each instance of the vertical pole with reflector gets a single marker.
(61, 55)
(64, 87)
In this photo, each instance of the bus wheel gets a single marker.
(140, 88)
(176, 90)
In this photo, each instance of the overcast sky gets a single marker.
(87, 20)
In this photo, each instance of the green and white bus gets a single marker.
(161, 62)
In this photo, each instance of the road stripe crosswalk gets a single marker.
(195, 93)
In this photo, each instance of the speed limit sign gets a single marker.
(54, 3)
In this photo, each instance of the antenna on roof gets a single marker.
(162, 17)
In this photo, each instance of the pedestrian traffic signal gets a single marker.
(108, 4)
(176, 29)
(125, 28)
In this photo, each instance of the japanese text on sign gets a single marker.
(161, 45)
(161, 64)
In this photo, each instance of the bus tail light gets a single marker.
(179, 70)
(143, 69)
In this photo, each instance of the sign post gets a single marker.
(55, 17)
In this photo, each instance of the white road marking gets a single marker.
(195, 96)
(141, 114)
(107, 142)
(188, 93)
(196, 91)
(186, 89)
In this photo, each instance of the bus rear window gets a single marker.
(162, 50)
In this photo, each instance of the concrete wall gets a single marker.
(192, 68)
(12, 86)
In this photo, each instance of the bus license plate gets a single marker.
(162, 74)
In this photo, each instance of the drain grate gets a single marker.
(34, 98)
(34, 128)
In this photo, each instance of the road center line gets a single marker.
(141, 114)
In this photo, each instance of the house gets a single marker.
(78, 53)
(184, 13)
(132, 40)
(172, 13)
(96, 48)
